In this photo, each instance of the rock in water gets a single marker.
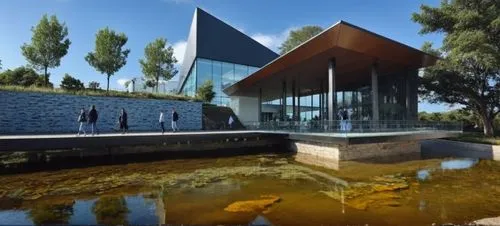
(258, 205)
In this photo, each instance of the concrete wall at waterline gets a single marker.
(44, 113)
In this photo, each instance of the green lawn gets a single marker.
(88, 92)
(476, 138)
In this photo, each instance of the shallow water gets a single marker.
(272, 189)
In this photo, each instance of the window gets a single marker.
(203, 70)
(240, 72)
(251, 70)
(227, 74)
(217, 78)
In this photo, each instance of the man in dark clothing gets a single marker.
(123, 121)
(93, 120)
(175, 117)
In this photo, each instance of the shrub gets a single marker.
(70, 83)
(94, 85)
(99, 92)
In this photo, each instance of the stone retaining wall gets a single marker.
(448, 148)
(378, 150)
(32, 113)
(338, 152)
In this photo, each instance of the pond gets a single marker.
(256, 190)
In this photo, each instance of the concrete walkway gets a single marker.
(107, 140)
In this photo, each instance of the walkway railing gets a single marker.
(354, 126)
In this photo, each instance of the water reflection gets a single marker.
(458, 164)
(260, 221)
(51, 213)
(111, 210)
(454, 164)
(424, 191)
(423, 174)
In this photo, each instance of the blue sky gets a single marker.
(143, 21)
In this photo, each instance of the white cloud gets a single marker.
(122, 82)
(272, 41)
(179, 50)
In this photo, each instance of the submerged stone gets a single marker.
(258, 205)
(380, 191)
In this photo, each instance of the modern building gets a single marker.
(343, 68)
(218, 52)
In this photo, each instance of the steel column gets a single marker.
(321, 103)
(294, 113)
(260, 105)
(331, 89)
(375, 106)
(298, 101)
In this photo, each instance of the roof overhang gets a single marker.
(355, 51)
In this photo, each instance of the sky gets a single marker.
(142, 21)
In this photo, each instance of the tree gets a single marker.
(22, 76)
(70, 83)
(206, 91)
(158, 62)
(93, 85)
(468, 72)
(299, 36)
(48, 45)
(0, 64)
(108, 56)
(149, 83)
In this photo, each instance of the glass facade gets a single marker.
(222, 74)
(397, 100)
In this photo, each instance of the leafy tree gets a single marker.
(48, 45)
(206, 91)
(108, 56)
(94, 85)
(22, 76)
(158, 62)
(111, 210)
(299, 36)
(0, 64)
(149, 83)
(70, 83)
(468, 72)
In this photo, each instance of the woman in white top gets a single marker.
(162, 122)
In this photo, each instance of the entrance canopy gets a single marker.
(355, 51)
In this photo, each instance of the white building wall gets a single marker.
(246, 108)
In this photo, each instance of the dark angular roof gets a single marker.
(211, 38)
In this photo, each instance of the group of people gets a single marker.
(92, 117)
(344, 116)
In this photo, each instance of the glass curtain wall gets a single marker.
(392, 97)
(222, 75)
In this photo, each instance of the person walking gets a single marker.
(175, 118)
(230, 122)
(123, 119)
(162, 122)
(82, 119)
(93, 120)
